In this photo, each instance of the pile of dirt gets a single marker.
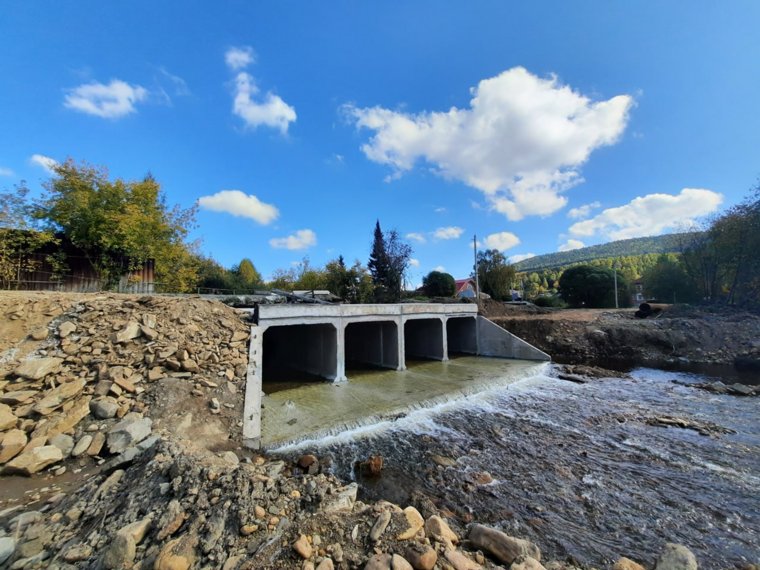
(604, 336)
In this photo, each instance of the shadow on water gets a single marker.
(575, 468)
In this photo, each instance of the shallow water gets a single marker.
(574, 467)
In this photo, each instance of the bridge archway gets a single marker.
(373, 343)
(295, 352)
(461, 335)
(423, 338)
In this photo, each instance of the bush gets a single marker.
(549, 301)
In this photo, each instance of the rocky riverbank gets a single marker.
(119, 445)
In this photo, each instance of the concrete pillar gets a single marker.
(253, 386)
(401, 343)
(340, 356)
(444, 340)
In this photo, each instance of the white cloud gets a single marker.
(6, 171)
(416, 236)
(44, 162)
(414, 262)
(111, 101)
(571, 244)
(582, 212)
(176, 83)
(302, 239)
(440, 210)
(270, 110)
(501, 241)
(440, 268)
(652, 214)
(241, 205)
(520, 257)
(521, 142)
(239, 57)
(450, 232)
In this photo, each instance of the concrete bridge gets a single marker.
(321, 339)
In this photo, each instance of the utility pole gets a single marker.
(614, 270)
(475, 265)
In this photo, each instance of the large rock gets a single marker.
(177, 554)
(82, 445)
(132, 330)
(121, 551)
(676, 557)
(421, 557)
(7, 418)
(7, 547)
(503, 547)
(38, 368)
(104, 408)
(381, 523)
(65, 420)
(624, 563)
(11, 444)
(17, 397)
(63, 442)
(127, 433)
(66, 328)
(33, 461)
(414, 522)
(526, 563)
(460, 562)
(436, 528)
(379, 562)
(343, 500)
(57, 396)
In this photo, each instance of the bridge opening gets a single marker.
(423, 339)
(372, 344)
(461, 335)
(295, 354)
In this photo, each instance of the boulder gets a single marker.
(63, 442)
(127, 433)
(343, 500)
(436, 528)
(17, 397)
(57, 396)
(400, 563)
(7, 419)
(177, 554)
(381, 523)
(66, 328)
(676, 557)
(503, 547)
(38, 368)
(132, 330)
(414, 522)
(82, 445)
(302, 547)
(7, 548)
(120, 553)
(460, 562)
(31, 462)
(104, 408)
(11, 444)
(64, 421)
(526, 563)
(421, 557)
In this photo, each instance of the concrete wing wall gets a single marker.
(495, 341)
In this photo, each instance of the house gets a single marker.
(465, 288)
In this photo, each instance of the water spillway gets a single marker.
(319, 341)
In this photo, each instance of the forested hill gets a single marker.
(669, 243)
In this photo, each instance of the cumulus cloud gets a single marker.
(520, 257)
(111, 101)
(414, 262)
(450, 232)
(521, 141)
(416, 236)
(6, 171)
(571, 244)
(652, 214)
(239, 57)
(582, 212)
(45, 162)
(501, 241)
(302, 239)
(440, 269)
(241, 205)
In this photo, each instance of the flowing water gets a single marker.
(574, 468)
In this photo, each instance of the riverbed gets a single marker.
(573, 467)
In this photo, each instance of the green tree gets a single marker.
(388, 262)
(438, 284)
(249, 276)
(120, 224)
(496, 275)
(588, 286)
(668, 281)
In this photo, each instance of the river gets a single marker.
(573, 467)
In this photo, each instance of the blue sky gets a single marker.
(297, 124)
